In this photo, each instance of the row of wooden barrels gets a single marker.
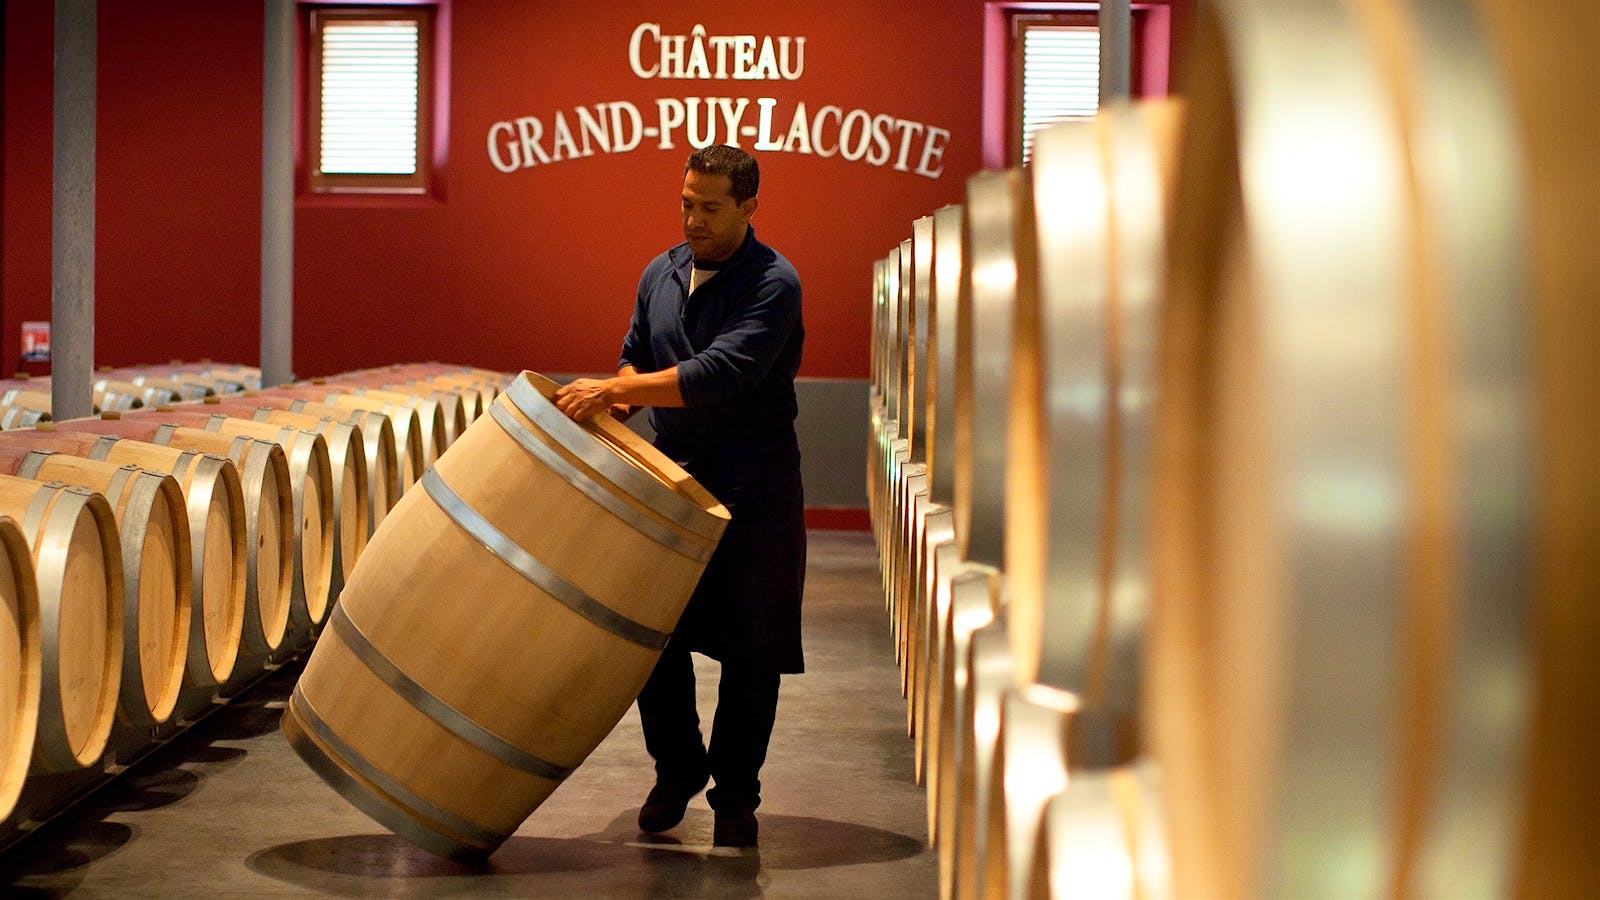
(149, 549)
(1232, 473)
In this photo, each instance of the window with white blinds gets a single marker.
(1060, 76)
(370, 72)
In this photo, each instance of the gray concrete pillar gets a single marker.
(72, 217)
(277, 195)
(1116, 49)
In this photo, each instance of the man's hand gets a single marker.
(585, 397)
(621, 396)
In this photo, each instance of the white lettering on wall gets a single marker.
(618, 126)
(742, 57)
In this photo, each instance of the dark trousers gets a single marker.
(747, 703)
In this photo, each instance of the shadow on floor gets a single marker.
(374, 865)
(616, 862)
(80, 834)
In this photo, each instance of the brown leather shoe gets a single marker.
(665, 805)
(735, 828)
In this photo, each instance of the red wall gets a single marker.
(535, 268)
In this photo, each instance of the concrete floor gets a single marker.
(228, 810)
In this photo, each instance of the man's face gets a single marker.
(713, 222)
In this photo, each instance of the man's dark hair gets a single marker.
(739, 166)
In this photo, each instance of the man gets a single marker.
(713, 349)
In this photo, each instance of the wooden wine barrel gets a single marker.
(219, 382)
(348, 463)
(486, 385)
(21, 416)
(1029, 768)
(913, 580)
(989, 674)
(270, 538)
(937, 269)
(247, 377)
(454, 689)
(1247, 584)
(452, 418)
(474, 398)
(121, 396)
(876, 415)
(1076, 491)
(999, 243)
(905, 476)
(177, 387)
(77, 560)
(107, 394)
(1545, 54)
(377, 441)
(889, 445)
(195, 387)
(941, 549)
(1342, 300)
(1103, 837)
(482, 388)
(997, 247)
(886, 448)
(311, 487)
(493, 381)
(156, 559)
(430, 417)
(218, 517)
(148, 391)
(403, 419)
(27, 398)
(20, 662)
(964, 752)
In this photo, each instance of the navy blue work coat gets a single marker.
(737, 345)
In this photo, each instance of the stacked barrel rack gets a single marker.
(161, 557)
(1232, 473)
